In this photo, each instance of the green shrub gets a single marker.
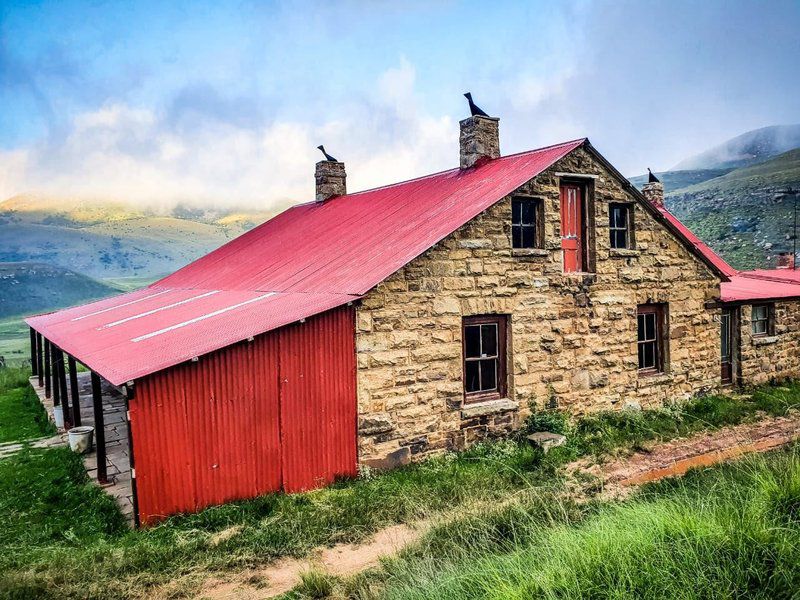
(555, 421)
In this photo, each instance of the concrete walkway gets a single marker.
(116, 430)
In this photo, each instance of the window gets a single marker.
(619, 225)
(484, 357)
(525, 223)
(650, 326)
(761, 320)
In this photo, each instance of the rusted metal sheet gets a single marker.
(211, 431)
(309, 259)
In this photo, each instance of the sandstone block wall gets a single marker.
(771, 358)
(571, 340)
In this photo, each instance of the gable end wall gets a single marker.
(572, 338)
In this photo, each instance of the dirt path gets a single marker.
(342, 559)
(618, 477)
(676, 457)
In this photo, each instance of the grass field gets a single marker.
(63, 537)
(732, 531)
(22, 416)
(14, 341)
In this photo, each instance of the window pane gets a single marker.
(619, 238)
(471, 376)
(516, 236)
(650, 327)
(516, 212)
(647, 355)
(614, 217)
(640, 321)
(489, 339)
(528, 237)
(528, 212)
(472, 341)
(488, 375)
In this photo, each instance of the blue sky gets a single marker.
(224, 102)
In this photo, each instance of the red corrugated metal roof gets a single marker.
(309, 259)
(135, 334)
(761, 284)
(348, 245)
(744, 288)
(785, 275)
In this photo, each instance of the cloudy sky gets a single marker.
(224, 102)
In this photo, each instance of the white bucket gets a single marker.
(81, 438)
(58, 416)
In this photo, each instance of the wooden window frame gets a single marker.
(501, 321)
(538, 225)
(628, 227)
(660, 342)
(769, 320)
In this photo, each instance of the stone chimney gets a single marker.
(654, 192)
(331, 179)
(480, 138)
(785, 260)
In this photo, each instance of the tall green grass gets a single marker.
(732, 531)
(22, 416)
(57, 547)
(607, 431)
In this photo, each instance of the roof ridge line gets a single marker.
(450, 170)
(774, 279)
(218, 289)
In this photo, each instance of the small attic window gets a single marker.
(619, 226)
(526, 222)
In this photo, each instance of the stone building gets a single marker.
(383, 326)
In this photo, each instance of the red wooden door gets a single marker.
(572, 228)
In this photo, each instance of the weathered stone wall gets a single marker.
(572, 337)
(775, 357)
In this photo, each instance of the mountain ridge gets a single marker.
(745, 149)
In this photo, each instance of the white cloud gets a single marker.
(134, 154)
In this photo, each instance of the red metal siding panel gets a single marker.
(208, 432)
(247, 420)
(318, 401)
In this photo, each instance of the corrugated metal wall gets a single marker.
(275, 413)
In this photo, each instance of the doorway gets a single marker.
(572, 228)
(728, 344)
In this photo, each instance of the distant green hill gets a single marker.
(111, 240)
(28, 288)
(743, 215)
